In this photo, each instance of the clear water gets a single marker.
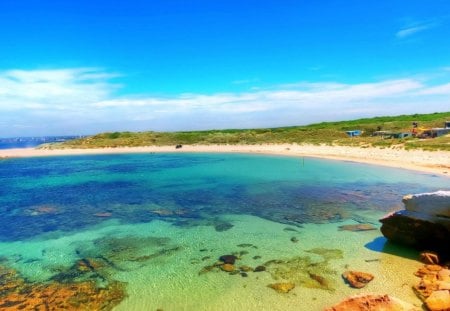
(157, 224)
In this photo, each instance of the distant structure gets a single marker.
(431, 132)
(354, 133)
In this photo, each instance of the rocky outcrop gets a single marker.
(424, 224)
(372, 302)
(434, 287)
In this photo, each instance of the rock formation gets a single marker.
(424, 224)
(372, 302)
(357, 279)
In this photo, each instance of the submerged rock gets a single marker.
(230, 259)
(372, 302)
(282, 287)
(259, 269)
(294, 239)
(357, 279)
(223, 226)
(357, 227)
(18, 294)
(227, 267)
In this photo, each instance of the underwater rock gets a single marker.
(244, 275)
(357, 227)
(41, 210)
(294, 239)
(246, 268)
(287, 229)
(372, 302)
(18, 294)
(259, 269)
(327, 253)
(256, 257)
(88, 264)
(206, 269)
(223, 226)
(282, 287)
(303, 271)
(323, 282)
(104, 214)
(357, 279)
(230, 259)
(227, 267)
(246, 245)
(424, 224)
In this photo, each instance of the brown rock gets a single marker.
(420, 225)
(260, 269)
(438, 301)
(357, 279)
(282, 287)
(429, 258)
(372, 303)
(227, 267)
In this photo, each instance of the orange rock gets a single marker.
(438, 301)
(357, 279)
(16, 294)
(227, 267)
(371, 303)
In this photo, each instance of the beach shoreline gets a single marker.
(434, 162)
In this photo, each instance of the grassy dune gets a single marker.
(331, 133)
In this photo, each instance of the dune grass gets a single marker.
(331, 133)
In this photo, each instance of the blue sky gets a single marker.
(82, 67)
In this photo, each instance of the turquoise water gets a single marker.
(156, 224)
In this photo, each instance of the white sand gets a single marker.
(437, 162)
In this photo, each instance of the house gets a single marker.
(354, 133)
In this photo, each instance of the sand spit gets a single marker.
(436, 162)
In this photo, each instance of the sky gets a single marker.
(83, 67)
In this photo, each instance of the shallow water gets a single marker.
(154, 225)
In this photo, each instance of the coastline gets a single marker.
(435, 162)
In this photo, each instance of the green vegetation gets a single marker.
(331, 133)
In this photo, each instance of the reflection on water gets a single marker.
(147, 231)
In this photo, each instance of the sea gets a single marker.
(30, 142)
(148, 231)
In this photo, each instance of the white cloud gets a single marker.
(84, 100)
(413, 28)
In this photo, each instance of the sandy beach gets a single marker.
(436, 162)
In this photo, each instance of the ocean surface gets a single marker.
(146, 231)
(30, 142)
